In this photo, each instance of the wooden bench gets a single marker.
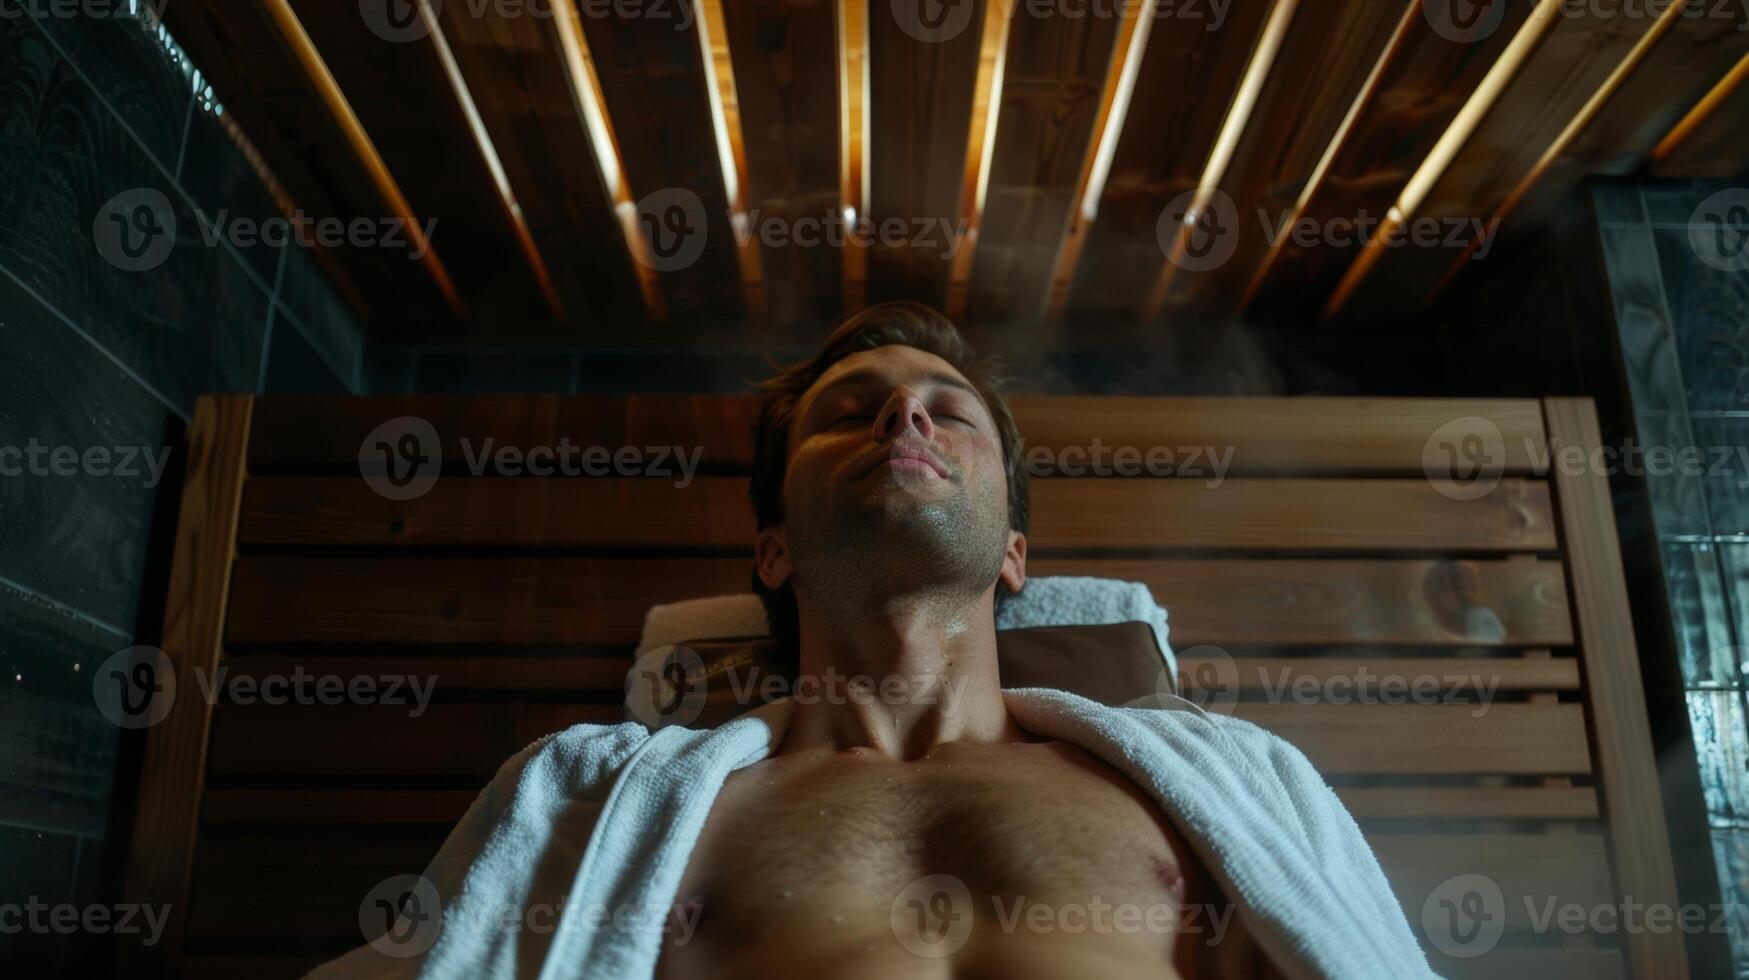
(1326, 555)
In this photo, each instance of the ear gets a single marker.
(771, 557)
(1014, 562)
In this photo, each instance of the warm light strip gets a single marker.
(592, 107)
(980, 146)
(713, 33)
(1138, 26)
(1412, 15)
(489, 152)
(1120, 85)
(1227, 144)
(304, 50)
(853, 185)
(1702, 111)
(1530, 35)
(1594, 105)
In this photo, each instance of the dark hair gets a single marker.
(901, 324)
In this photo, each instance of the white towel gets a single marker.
(1050, 601)
(605, 817)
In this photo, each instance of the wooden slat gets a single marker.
(536, 677)
(1054, 74)
(1509, 963)
(1575, 59)
(194, 624)
(280, 601)
(1627, 772)
(1406, 602)
(1427, 78)
(1442, 802)
(1368, 677)
(515, 68)
(465, 741)
(326, 433)
(1338, 43)
(919, 101)
(786, 80)
(1334, 515)
(1539, 868)
(1541, 739)
(653, 81)
(1266, 436)
(484, 247)
(1189, 73)
(1709, 143)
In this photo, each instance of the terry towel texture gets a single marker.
(603, 817)
(1050, 601)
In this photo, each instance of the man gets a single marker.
(989, 833)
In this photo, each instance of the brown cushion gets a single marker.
(1112, 664)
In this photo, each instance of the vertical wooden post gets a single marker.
(1639, 840)
(194, 625)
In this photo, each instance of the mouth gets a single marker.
(904, 456)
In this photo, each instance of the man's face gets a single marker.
(896, 483)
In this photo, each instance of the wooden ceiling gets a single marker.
(1051, 136)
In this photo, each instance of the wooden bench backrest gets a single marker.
(1326, 555)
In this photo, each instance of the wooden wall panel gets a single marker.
(1053, 77)
(786, 79)
(515, 68)
(1190, 71)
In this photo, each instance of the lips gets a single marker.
(902, 455)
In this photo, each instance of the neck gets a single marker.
(899, 676)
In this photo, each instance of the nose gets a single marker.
(902, 415)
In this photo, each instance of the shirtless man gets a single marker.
(928, 836)
(922, 839)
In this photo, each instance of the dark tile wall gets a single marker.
(1677, 259)
(118, 307)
